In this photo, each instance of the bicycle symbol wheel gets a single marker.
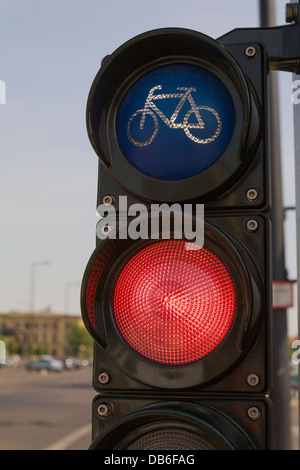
(141, 128)
(187, 126)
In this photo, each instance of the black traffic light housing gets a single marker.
(224, 187)
(227, 237)
(222, 398)
(169, 46)
(138, 423)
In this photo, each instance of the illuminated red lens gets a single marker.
(174, 306)
(95, 275)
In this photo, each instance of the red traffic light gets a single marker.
(174, 306)
(152, 305)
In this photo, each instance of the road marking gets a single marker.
(68, 440)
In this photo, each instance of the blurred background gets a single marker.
(50, 52)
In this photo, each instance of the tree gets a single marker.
(79, 342)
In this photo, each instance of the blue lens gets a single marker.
(175, 121)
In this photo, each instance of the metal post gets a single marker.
(280, 393)
(32, 302)
(297, 180)
(67, 292)
(32, 283)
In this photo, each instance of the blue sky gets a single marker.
(50, 52)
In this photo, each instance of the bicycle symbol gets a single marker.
(153, 111)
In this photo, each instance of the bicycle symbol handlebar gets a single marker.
(150, 109)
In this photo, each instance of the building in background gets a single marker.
(39, 333)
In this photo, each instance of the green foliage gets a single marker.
(79, 343)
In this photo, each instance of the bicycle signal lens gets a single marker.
(171, 112)
(174, 306)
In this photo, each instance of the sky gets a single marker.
(50, 52)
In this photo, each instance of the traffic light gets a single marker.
(181, 322)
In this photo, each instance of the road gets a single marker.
(45, 412)
(53, 412)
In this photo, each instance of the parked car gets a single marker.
(49, 365)
(70, 362)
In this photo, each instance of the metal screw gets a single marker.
(108, 200)
(252, 225)
(250, 52)
(291, 12)
(253, 380)
(254, 413)
(106, 229)
(104, 378)
(104, 409)
(252, 195)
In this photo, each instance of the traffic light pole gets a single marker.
(280, 393)
(282, 44)
(297, 179)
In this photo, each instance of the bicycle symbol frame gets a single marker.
(152, 110)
